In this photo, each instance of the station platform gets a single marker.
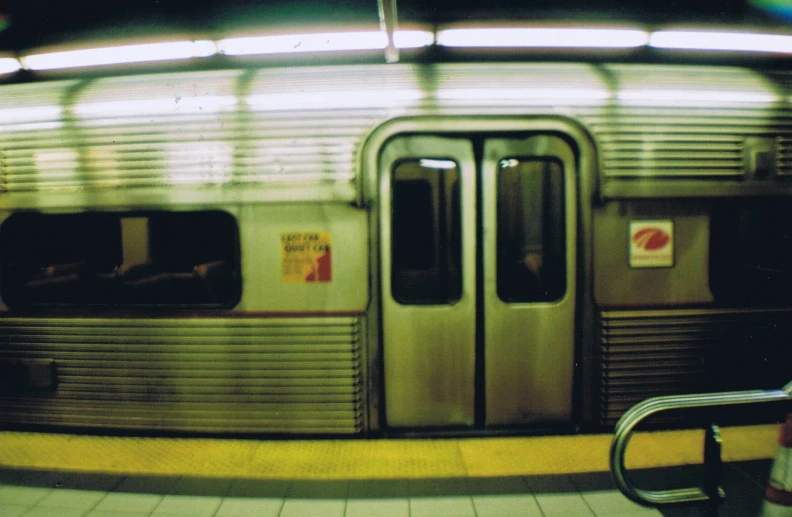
(64, 475)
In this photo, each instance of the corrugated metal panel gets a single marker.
(304, 125)
(686, 122)
(683, 142)
(295, 375)
(182, 131)
(652, 353)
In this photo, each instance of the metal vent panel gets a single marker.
(273, 375)
(686, 122)
(652, 353)
(702, 143)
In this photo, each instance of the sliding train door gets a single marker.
(529, 234)
(428, 225)
(478, 286)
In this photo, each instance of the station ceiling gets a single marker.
(28, 24)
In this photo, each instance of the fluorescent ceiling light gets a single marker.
(558, 38)
(9, 65)
(120, 55)
(695, 96)
(734, 41)
(322, 42)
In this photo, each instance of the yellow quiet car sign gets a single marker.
(306, 257)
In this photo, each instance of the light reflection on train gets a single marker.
(465, 254)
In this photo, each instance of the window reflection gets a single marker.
(531, 235)
(115, 260)
(751, 252)
(426, 252)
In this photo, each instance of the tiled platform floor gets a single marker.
(48, 494)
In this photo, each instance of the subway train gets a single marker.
(479, 245)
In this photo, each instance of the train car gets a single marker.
(479, 245)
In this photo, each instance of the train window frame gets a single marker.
(447, 264)
(529, 266)
(186, 267)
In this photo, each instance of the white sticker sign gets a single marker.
(651, 244)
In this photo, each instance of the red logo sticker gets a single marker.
(651, 238)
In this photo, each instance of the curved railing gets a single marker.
(641, 411)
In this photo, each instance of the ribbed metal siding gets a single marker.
(182, 130)
(273, 375)
(652, 353)
(691, 122)
(686, 143)
(254, 128)
(677, 146)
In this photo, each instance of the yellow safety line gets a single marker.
(368, 459)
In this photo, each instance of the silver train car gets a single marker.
(390, 248)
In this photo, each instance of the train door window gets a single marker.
(426, 252)
(186, 259)
(531, 233)
(751, 252)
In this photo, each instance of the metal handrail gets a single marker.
(642, 410)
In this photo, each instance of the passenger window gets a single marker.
(182, 259)
(531, 234)
(751, 252)
(425, 243)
